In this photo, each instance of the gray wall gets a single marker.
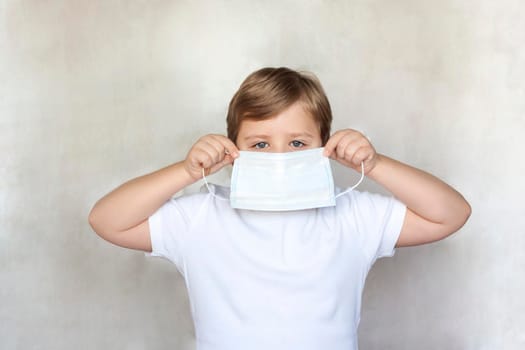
(93, 93)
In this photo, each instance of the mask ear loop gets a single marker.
(209, 190)
(357, 184)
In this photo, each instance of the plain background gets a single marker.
(94, 93)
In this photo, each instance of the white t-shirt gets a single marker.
(276, 280)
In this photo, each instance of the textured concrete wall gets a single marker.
(93, 93)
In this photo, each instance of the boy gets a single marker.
(268, 279)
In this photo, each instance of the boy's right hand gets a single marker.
(210, 152)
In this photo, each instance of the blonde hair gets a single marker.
(269, 91)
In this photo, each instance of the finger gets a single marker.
(217, 146)
(332, 143)
(347, 146)
(228, 145)
(202, 158)
(227, 160)
(222, 146)
(215, 149)
(341, 140)
(362, 154)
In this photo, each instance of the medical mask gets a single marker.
(283, 181)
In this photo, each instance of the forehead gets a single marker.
(294, 119)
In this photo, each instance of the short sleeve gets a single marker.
(377, 220)
(169, 226)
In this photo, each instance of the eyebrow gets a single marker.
(258, 136)
(293, 135)
(297, 134)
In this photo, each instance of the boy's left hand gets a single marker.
(350, 148)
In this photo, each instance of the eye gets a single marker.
(260, 145)
(297, 144)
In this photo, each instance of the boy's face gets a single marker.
(291, 130)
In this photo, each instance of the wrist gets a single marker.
(376, 169)
(180, 175)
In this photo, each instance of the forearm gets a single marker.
(134, 201)
(424, 194)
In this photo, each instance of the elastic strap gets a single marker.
(209, 190)
(358, 182)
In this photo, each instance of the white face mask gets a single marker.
(283, 181)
